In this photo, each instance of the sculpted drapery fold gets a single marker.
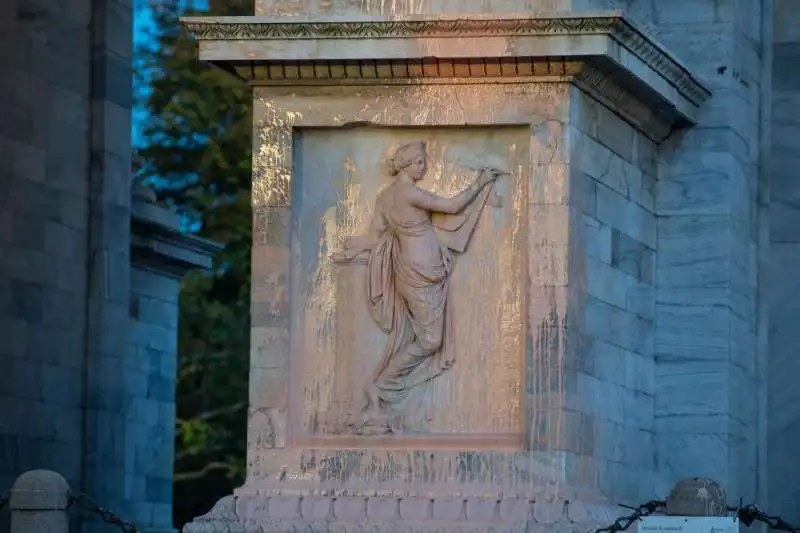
(409, 256)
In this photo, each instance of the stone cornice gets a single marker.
(639, 105)
(158, 244)
(612, 25)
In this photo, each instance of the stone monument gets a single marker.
(425, 323)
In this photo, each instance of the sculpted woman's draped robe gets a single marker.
(408, 293)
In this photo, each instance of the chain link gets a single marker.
(624, 522)
(107, 516)
(751, 513)
(746, 514)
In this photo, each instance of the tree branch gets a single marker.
(198, 474)
(207, 415)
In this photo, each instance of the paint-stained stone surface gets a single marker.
(588, 405)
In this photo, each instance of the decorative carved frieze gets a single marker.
(492, 70)
(612, 25)
(247, 28)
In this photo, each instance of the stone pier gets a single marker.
(540, 402)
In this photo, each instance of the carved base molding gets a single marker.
(344, 514)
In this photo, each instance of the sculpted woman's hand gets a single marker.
(488, 175)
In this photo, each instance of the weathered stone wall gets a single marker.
(783, 283)
(710, 381)
(160, 256)
(614, 166)
(65, 87)
(107, 402)
(45, 97)
(150, 369)
(711, 194)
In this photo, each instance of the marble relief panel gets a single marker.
(474, 386)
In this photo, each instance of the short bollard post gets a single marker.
(38, 503)
(695, 505)
(697, 496)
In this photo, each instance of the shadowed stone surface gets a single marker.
(782, 282)
(80, 394)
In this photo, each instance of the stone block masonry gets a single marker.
(783, 263)
(612, 166)
(160, 257)
(708, 197)
(69, 399)
(46, 97)
(108, 262)
(150, 370)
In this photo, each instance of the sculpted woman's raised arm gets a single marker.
(438, 204)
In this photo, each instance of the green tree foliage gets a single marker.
(196, 152)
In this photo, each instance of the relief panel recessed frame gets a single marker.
(280, 113)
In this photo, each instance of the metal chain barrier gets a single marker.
(624, 522)
(746, 514)
(751, 513)
(107, 516)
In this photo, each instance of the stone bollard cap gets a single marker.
(697, 496)
(39, 490)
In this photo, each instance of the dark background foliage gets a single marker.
(196, 153)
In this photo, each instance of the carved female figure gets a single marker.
(407, 283)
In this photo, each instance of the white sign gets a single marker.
(688, 524)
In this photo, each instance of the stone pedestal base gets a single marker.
(341, 514)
